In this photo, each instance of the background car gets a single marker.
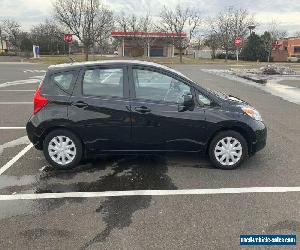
(293, 59)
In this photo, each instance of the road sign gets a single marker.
(68, 38)
(238, 41)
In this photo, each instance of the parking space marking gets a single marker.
(16, 158)
(11, 128)
(34, 71)
(17, 90)
(34, 79)
(245, 190)
(8, 103)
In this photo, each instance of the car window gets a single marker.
(103, 82)
(155, 86)
(63, 80)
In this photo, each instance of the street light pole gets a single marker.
(251, 28)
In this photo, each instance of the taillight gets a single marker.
(39, 101)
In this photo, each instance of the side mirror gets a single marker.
(187, 104)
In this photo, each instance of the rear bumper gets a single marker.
(34, 135)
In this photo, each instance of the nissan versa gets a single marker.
(82, 110)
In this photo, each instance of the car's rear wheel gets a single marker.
(62, 149)
(228, 149)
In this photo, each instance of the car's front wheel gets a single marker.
(228, 149)
(62, 149)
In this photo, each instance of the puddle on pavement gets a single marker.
(117, 213)
(129, 173)
(108, 174)
(16, 182)
(121, 173)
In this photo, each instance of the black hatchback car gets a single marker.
(82, 110)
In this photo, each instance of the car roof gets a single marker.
(74, 65)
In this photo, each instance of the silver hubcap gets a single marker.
(62, 150)
(228, 151)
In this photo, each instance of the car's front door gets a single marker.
(157, 123)
(100, 111)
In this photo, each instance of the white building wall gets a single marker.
(3, 45)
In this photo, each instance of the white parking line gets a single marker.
(31, 80)
(8, 103)
(11, 128)
(16, 158)
(34, 71)
(150, 193)
(17, 90)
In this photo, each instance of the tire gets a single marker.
(67, 144)
(235, 152)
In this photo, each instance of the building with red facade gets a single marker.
(285, 48)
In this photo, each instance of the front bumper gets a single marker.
(260, 138)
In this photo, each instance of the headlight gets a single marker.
(252, 112)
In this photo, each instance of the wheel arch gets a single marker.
(240, 129)
(50, 129)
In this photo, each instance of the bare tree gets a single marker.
(1, 36)
(13, 32)
(122, 22)
(80, 17)
(129, 23)
(147, 26)
(213, 42)
(194, 22)
(104, 25)
(140, 28)
(297, 34)
(272, 34)
(230, 24)
(48, 35)
(178, 21)
(268, 43)
(275, 31)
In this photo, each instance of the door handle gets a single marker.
(142, 110)
(80, 104)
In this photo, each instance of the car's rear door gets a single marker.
(100, 111)
(157, 123)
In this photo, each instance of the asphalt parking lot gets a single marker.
(74, 213)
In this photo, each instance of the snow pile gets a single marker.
(263, 74)
(276, 70)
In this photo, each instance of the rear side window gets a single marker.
(64, 80)
(60, 83)
(103, 82)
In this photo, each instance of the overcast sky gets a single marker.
(285, 12)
